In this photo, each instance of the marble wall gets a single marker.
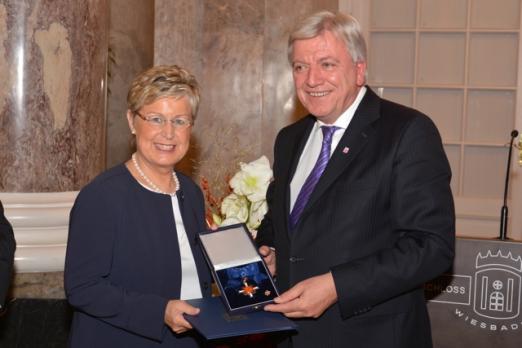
(237, 50)
(52, 95)
(53, 58)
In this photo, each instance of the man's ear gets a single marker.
(361, 73)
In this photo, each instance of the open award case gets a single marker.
(240, 273)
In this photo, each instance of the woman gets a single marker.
(131, 255)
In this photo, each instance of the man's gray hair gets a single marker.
(345, 27)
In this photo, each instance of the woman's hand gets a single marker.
(174, 315)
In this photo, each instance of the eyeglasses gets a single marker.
(159, 121)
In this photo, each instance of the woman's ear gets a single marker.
(130, 120)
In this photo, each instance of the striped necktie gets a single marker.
(314, 175)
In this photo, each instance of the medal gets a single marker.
(247, 289)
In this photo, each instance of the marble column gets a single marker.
(53, 58)
(237, 50)
(131, 50)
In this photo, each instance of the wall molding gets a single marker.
(40, 222)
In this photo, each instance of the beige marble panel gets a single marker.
(230, 125)
(178, 33)
(57, 65)
(178, 39)
(52, 112)
(131, 42)
(221, 42)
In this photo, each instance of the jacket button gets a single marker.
(205, 285)
(295, 259)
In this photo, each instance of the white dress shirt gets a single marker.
(189, 274)
(314, 143)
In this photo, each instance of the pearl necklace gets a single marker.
(151, 185)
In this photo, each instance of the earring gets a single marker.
(133, 131)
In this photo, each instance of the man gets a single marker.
(7, 249)
(351, 245)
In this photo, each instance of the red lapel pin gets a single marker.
(346, 149)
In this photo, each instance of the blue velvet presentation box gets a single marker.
(244, 282)
(245, 286)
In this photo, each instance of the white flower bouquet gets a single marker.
(247, 201)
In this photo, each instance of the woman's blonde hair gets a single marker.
(163, 81)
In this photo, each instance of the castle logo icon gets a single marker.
(497, 285)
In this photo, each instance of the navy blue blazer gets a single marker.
(381, 219)
(123, 262)
(7, 249)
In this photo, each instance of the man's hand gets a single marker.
(307, 299)
(174, 315)
(269, 255)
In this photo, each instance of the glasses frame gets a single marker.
(148, 119)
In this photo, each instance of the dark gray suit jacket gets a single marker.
(381, 219)
(7, 249)
(123, 262)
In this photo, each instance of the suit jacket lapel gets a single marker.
(352, 142)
